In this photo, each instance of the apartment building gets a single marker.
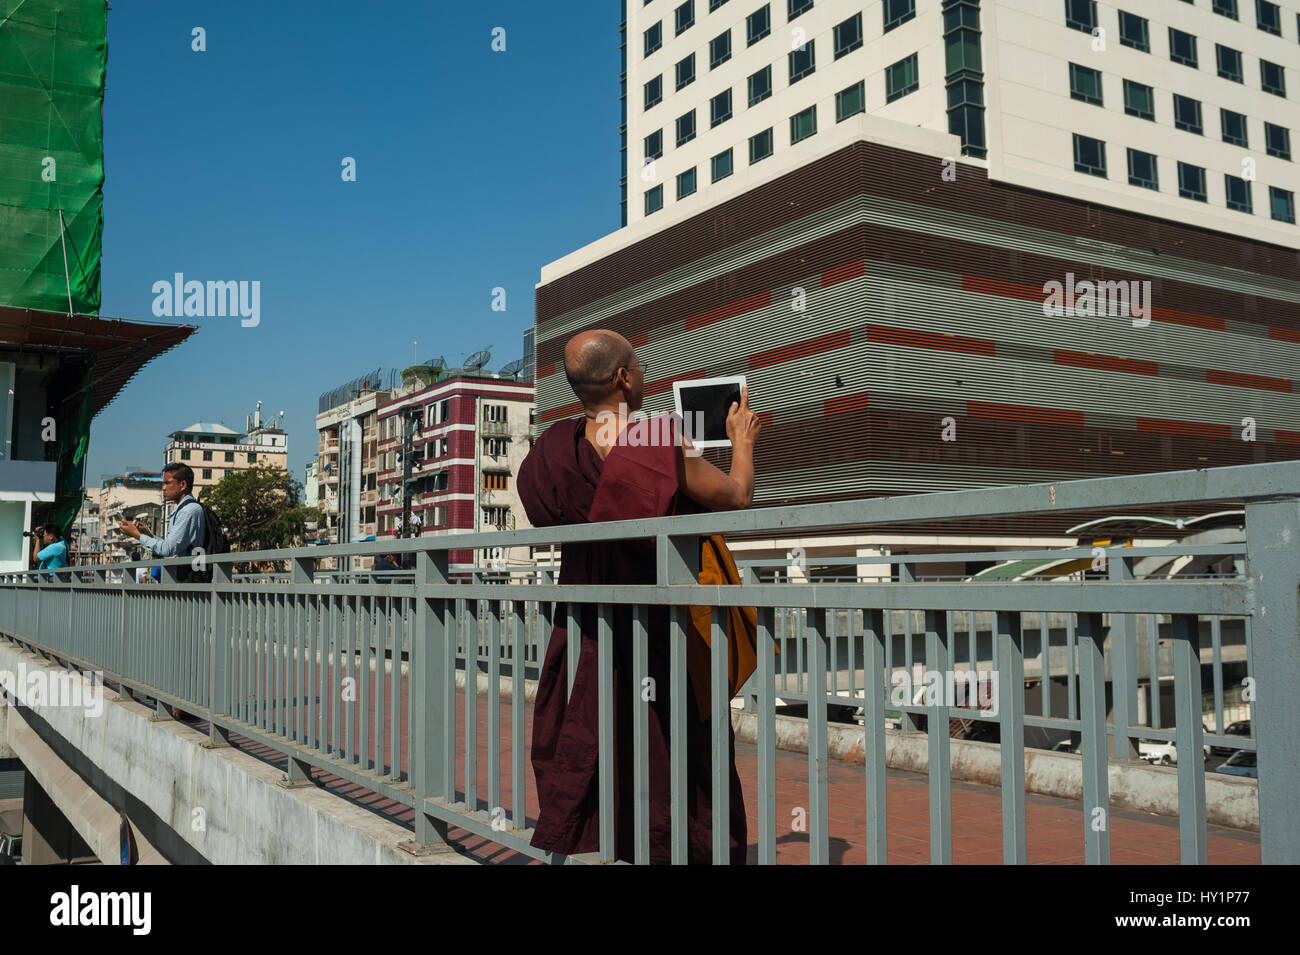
(471, 431)
(347, 459)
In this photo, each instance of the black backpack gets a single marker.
(214, 542)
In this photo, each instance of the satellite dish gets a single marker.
(478, 360)
(512, 369)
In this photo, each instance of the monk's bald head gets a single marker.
(591, 359)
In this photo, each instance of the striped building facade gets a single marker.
(887, 306)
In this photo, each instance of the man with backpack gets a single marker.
(189, 525)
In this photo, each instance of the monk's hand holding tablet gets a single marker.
(742, 424)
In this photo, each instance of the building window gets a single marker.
(758, 24)
(760, 85)
(654, 91)
(654, 199)
(720, 108)
(185, 454)
(1182, 48)
(714, 4)
(1277, 141)
(207, 474)
(1139, 100)
(901, 78)
(1224, 8)
(964, 75)
(803, 124)
(686, 183)
(1268, 16)
(802, 61)
(683, 17)
(1234, 127)
(795, 8)
(1134, 32)
(207, 455)
(719, 50)
(686, 71)
(498, 517)
(1089, 156)
(1142, 170)
(1229, 61)
(252, 457)
(721, 165)
(760, 145)
(851, 101)
(848, 36)
(1191, 182)
(1081, 15)
(1238, 191)
(654, 38)
(230, 457)
(685, 128)
(654, 145)
(498, 413)
(1282, 204)
(494, 447)
(1187, 114)
(1085, 84)
(898, 12)
(1271, 78)
(495, 481)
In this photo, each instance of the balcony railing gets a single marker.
(225, 650)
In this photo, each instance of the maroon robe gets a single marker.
(564, 481)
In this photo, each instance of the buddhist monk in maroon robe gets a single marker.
(601, 467)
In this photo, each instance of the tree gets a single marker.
(261, 509)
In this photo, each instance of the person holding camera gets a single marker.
(49, 549)
(188, 524)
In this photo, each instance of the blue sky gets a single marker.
(474, 169)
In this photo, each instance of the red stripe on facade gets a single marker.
(842, 273)
(978, 283)
(1178, 317)
(809, 346)
(1197, 429)
(1107, 362)
(1286, 437)
(1247, 381)
(1283, 334)
(765, 418)
(666, 384)
(638, 340)
(561, 411)
(919, 339)
(988, 409)
(730, 310)
(546, 370)
(844, 403)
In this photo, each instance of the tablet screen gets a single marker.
(705, 407)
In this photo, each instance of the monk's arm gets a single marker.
(706, 484)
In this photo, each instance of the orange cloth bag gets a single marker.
(716, 568)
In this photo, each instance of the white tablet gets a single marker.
(703, 404)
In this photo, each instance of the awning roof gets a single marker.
(123, 347)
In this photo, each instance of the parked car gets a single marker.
(1240, 763)
(1162, 752)
(1239, 728)
(1065, 746)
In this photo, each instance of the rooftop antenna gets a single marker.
(477, 360)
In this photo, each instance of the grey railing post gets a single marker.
(1092, 743)
(222, 637)
(1273, 546)
(1123, 666)
(430, 764)
(908, 722)
(165, 623)
(678, 562)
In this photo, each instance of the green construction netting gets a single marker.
(52, 63)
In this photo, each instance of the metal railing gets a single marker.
(357, 675)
